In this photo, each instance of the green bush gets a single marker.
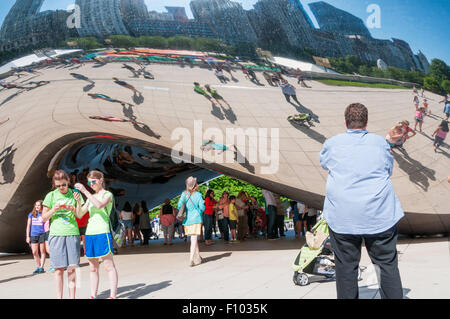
(123, 41)
(86, 43)
(154, 42)
(431, 84)
(445, 85)
(439, 70)
(180, 43)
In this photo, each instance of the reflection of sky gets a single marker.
(423, 24)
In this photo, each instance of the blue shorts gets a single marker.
(97, 246)
(128, 224)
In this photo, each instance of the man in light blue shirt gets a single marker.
(360, 203)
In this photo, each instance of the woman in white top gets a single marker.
(126, 215)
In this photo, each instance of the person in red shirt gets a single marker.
(210, 206)
(82, 225)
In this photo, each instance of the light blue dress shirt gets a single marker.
(195, 206)
(360, 198)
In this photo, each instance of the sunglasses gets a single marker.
(92, 183)
(62, 185)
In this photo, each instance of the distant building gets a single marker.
(101, 18)
(335, 20)
(133, 9)
(162, 16)
(284, 21)
(227, 19)
(26, 27)
(179, 13)
(168, 28)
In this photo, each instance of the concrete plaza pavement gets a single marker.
(251, 269)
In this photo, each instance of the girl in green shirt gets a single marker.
(98, 239)
(60, 206)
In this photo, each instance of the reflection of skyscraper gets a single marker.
(335, 20)
(227, 19)
(130, 10)
(14, 20)
(179, 13)
(100, 18)
(281, 21)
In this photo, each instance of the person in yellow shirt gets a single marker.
(233, 219)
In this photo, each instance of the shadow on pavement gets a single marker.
(6, 264)
(418, 174)
(15, 278)
(310, 133)
(216, 257)
(136, 291)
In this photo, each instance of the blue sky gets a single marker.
(422, 23)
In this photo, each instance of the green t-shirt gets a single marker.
(99, 218)
(63, 222)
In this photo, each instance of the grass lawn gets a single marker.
(361, 84)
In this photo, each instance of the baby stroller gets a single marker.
(300, 119)
(316, 257)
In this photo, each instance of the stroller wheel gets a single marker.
(301, 279)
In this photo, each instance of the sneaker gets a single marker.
(41, 270)
(37, 271)
(51, 270)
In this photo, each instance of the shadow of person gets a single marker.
(88, 87)
(418, 174)
(243, 161)
(216, 257)
(138, 98)
(140, 127)
(309, 132)
(9, 98)
(136, 291)
(8, 167)
(217, 112)
(229, 114)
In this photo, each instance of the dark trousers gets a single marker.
(288, 98)
(223, 226)
(208, 220)
(383, 253)
(271, 221)
(146, 235)
(279, 225)
(250, 221)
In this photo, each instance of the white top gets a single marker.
(126, 215)
(268, 196)
(301, 207)
(312, 212)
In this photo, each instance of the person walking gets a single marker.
(210, 206)
(167, 219)
(420, 113)
(126, 216)
(195, 206)
(35, 237)
(279, 222)
(136, 217)
(224, 205)
(289, 91)
(241, 207)
(216, 96)
(234, 219)
(447, 110)
(271, 207)
(440, 134)
(361, 205)
(99, 241)
(145, 225)
(61, 206)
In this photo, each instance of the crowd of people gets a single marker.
(401, 132)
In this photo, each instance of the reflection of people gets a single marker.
(216, 96)
(361, 204)
(35, 237)
(126, 85)
(440, 134)
(107, 98)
